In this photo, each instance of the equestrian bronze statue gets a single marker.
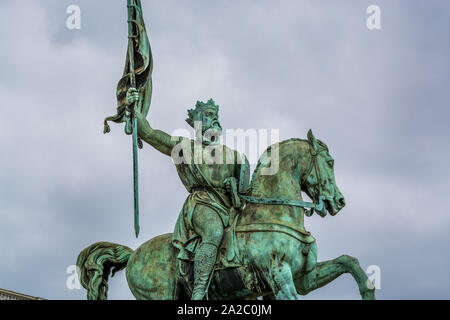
(236, 237)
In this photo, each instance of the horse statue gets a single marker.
(278, 257)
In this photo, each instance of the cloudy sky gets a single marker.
(379, 99)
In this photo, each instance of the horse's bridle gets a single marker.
(320, 206)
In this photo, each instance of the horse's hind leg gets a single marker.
(151, 270)
(281, 282)
(326, 271)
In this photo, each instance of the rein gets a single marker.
(318, 207)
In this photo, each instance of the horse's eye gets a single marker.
(331, 163)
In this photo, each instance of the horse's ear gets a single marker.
(312, 139)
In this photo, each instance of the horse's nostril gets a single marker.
(342, 202)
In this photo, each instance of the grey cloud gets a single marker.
(379, 99)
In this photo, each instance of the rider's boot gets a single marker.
(204, 260)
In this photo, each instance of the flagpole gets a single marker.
(132, 116)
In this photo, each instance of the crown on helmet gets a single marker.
(200, 107)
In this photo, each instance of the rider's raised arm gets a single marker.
(158, 139)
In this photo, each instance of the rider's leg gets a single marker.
(208, 225)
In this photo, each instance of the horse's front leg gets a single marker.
(326, 271)
(281, 282)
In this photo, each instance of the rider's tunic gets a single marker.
(204, 183)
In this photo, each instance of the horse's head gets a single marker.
(319, 182)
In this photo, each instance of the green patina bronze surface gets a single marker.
(234, 238)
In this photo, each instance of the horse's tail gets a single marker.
(96, 262)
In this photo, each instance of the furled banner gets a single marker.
(143, 65)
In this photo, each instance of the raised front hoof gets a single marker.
(368, 295)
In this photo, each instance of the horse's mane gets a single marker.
(264, 164)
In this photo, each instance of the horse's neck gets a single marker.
(284, 179)
(285, 182)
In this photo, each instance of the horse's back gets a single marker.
(151, 269)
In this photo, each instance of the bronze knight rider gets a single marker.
(210, 172)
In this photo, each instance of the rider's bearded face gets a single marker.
(211, 128)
